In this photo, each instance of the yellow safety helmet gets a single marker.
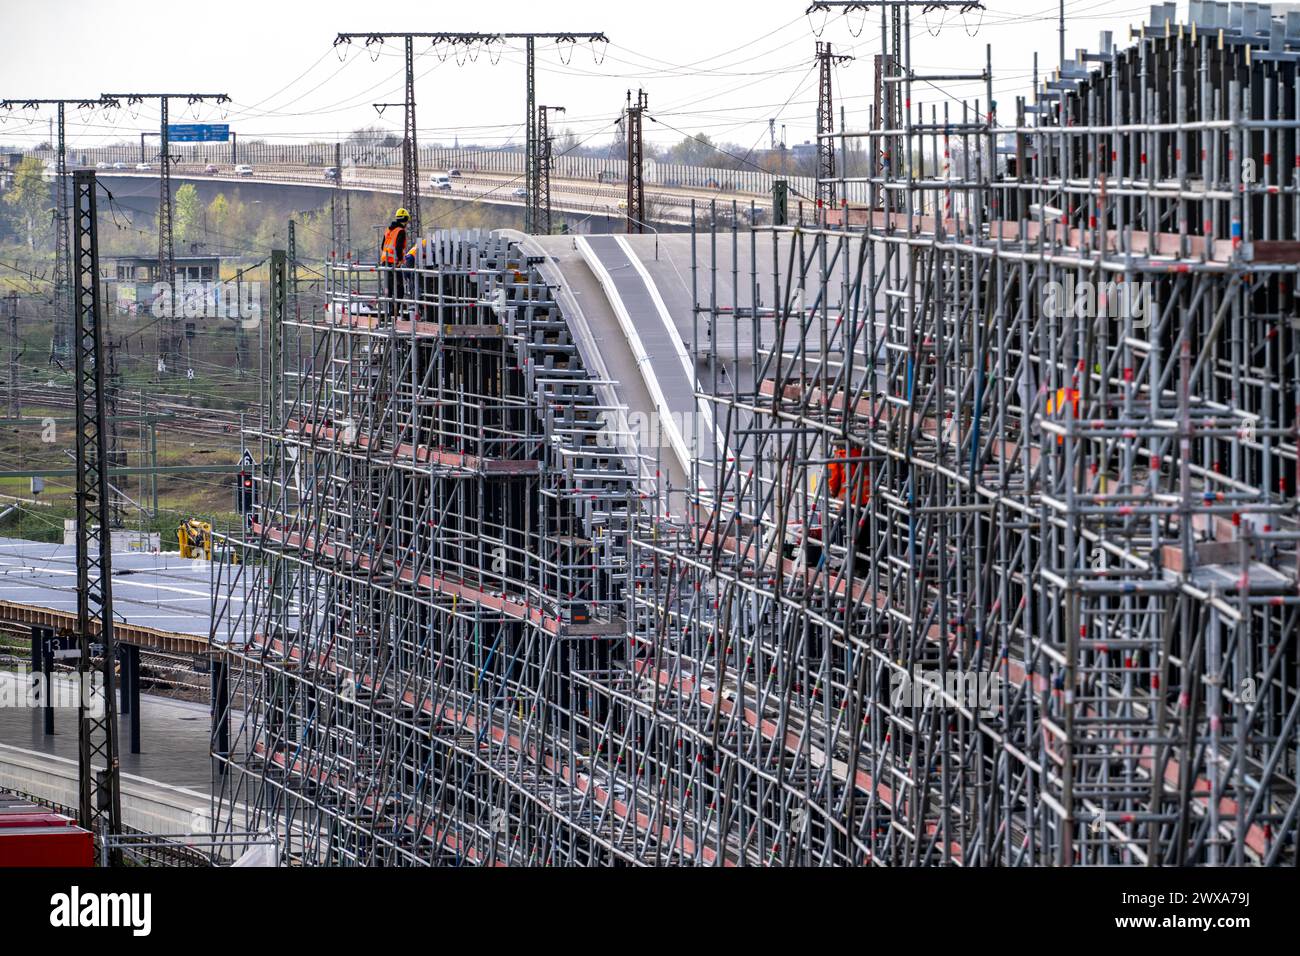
(402, 213)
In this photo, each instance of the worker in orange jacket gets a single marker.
(391, 257)
(850, 482)
(1058, 403)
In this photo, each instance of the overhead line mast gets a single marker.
(62, 332)
(169, 337)
(826, 124)
(100, 797)
(636, 161)
(410, 143)
(541, 214)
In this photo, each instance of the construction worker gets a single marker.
(1058, 403)
(392, 256)
(852, 482)
(851, 485)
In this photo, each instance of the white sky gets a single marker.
(720, 67)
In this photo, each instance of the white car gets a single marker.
(101, 166)
(142, 167)
(243, 170)
(119, 165)
(440, 181)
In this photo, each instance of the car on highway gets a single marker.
(119, 165)
(101, 166)
(243, 170)
(211, 169)
(142, 167)
(440, 181)
(331, 173)
(520, 193)
(454, 173)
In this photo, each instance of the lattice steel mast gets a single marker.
(472, 41)
(633, 115)
(100, 797)
(170, 335)
(62, 332)
(541, 213)
(826, 61)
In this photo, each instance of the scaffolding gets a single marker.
(440, 540)
(994, 561)
(1051, 617)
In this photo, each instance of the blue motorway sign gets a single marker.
(198, 132)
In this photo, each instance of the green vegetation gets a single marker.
(29, 203)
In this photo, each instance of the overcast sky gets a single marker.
(720, 67)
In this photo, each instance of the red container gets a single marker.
(38, 818)
(46, 846)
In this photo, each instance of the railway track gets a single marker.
(163, 675)
(189, 419)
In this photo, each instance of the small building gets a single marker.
(8, 166)
(136, 280)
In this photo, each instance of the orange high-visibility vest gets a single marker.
(390, 254)
(1064, 397)
(837, 478)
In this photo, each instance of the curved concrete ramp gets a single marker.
(657, 346)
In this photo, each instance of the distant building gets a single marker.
(8, 164)
(138, 288)
(807, 150)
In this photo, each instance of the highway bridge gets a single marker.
(596, 206)
(744, 180)
(578, 189)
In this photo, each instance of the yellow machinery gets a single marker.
(195, 539)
